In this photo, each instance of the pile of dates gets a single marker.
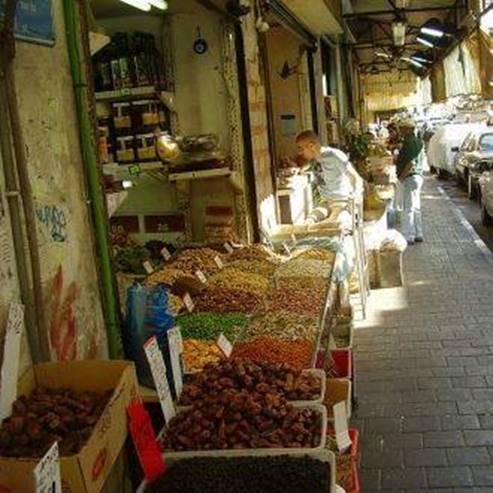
(243, 420)
(50, 415)
(264, 378)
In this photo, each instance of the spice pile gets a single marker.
(224, 300)
(283, 325)
(208, 326)
(50, 415)
(273, 350)
(197, 354)
(281, 474)
(275, 378)
(243, 419)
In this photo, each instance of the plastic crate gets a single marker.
(342, 364)
(354, 453)
(338, 390)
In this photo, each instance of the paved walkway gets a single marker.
(424, 365)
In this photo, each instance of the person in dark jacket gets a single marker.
(410, 173)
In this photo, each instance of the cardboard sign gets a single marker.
(286, 248)
(224, 345)
(148, 267)
(47, 473)
(10, 365)
(341, 427)
(175, 349)
(228, 247)
(165, 253)
(158, 370)
(201, 277)
(145, 441)
(219, 262)
(187, 299)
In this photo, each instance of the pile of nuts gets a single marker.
(283, 325)
(297, 353)
(315, 254)
(231, 278)
(241, 420)
(261, 267)
(166, 276)
(275, 378)
(300, 267)
(197, 354)
(222, 300)
(187, 284)
(50, 415)
(254, 252)
(295, 301)
(192, 260)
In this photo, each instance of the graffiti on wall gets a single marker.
(54, 220)
(63, 326)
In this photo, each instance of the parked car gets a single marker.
(440, 155)
(476, 170)
(477, 147)
(486, 186)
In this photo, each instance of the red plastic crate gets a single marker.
(354, 454)
(342, 364)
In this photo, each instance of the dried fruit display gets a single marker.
(222, 300)
(305, 302)
(231, 278)
(315, 285)
(270, 349)
(276, 378)
(166, 276)
(300, 267)
(279, 474)
(197, 354)
(243, 419)
(261, 267)
(315, 254)
(49, 415)
(176, 304)
(283, 325)
(187, 284)
(196, 259)
(254, 252)
(208, 326)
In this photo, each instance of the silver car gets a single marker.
(486, 186)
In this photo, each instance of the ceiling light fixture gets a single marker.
(420, 59)
(431, 31)
(399, 29)
(138, 4)
(425, 42)
(159, 4)
(381, 54)
(414, 62)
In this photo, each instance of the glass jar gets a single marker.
(146, 147)
(125, 149)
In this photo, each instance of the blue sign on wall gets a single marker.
(33, 21)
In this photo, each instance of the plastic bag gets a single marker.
(148, 314)
(393, 241)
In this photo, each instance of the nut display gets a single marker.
(276, 378)
(254, 252)
(176, 304)
(315, 254)
(301, 267)
(166, 276)
(196, 259)
(208, 326)
(222, 300)
(276, 474)
(305, 302)
(297, 353)
(243, 419)
(197, 354)
(231, 278)
(187, 284)
(283, 325)
(50, 415)
(263, 268)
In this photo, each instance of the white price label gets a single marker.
(224, 345)
(187, 299)
(219, 262)
(148, 267)
(293, 238)
(10, 365)
(341, 427)
(201, 277)
(165, 253)
(158, 370)
(175, 349)
(228, 247)
(47, 473)
(286, 248)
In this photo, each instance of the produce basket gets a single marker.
(324, 455)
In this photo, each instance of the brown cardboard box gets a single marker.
(87, 471)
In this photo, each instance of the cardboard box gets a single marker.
(87, 471)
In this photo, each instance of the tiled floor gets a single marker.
(424, 364)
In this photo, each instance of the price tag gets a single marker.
(134, 169)
(145, 441)
(165, 253)
(341, 427)
(293, 238)
(201, 277)
(286, 248)
(187, 299)
(228, 247)
(47, 473)
(158, 370)
(175, 349)
(10, 365)
(148, 267)
(224, 345)
(219, 262)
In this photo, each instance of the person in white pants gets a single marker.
(410, 173)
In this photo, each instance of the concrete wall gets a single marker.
(72, 298)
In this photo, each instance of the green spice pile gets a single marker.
(208, 326)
